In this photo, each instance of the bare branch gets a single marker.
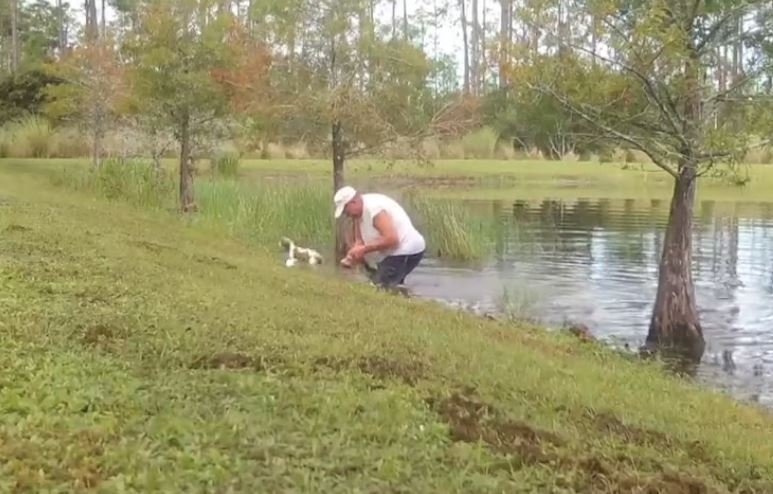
(721, 96)
(668, 109)
(719, 25)
(657, 160)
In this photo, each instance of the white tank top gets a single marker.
(410, 240)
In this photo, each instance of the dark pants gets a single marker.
(392, 270)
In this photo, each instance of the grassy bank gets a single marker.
(145, 356)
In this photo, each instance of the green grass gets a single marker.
(524, 179)
(451, 230)
(266, 211)
(141, 355)
(507, 180)
(480, 144)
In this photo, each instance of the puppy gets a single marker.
(297, 254)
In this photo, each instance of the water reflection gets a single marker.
(595, 261)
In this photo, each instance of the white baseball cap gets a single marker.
(342, 198)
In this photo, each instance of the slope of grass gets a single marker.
(141, 355)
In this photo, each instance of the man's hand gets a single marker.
(356, 253)
(383, 224)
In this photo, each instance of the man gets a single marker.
(385, 239)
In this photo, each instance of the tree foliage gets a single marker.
(24, 93)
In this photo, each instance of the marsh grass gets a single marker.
(225, 164)
(30, 137)
(262, 212)
(452, 230)
(268, 211)
(134, 181)
(517, 304)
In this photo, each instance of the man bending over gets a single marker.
(385, 239)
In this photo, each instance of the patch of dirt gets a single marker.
(17, 228)
(581, 331)
(383, 368)
(472, 420)
(407, 371)
(100, 333)
(665, 483)
(89, 298)
(215, 261)
(230, 360)
(610, 424)
(594, 467)
(151, 246)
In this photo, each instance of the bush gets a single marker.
(70, 143)
(134, 181)
(225, 164)
(452, 150)
(481, 143)
(297, 151)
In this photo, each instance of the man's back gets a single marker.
(410, 240)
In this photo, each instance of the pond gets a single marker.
(595, 262)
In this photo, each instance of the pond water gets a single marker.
(595, 262)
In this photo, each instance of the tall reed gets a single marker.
(452, 230)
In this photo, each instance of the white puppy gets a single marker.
(296, 254)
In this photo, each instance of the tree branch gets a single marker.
(717, 27)
(720, 96)
(657, 160)
(667, 109)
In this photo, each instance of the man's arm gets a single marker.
(383, 223)
(356, 232)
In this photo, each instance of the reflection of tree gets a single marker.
(706, 224)
(502, 237)
(732, 254)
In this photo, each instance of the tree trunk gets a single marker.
(187, 203)
(675, 326)
(505, 21)
(739, 49)
(475, 49)
(91, 20)
(104, 24)
(96, 145)
(594, 37)
(14, 36)
(394, 19)
(62, 33)
(466, 50)
(483, 64)
(405, 20)
(342, 240)
(338, 155)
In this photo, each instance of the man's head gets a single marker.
(349, 201)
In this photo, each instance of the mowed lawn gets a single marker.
(489, 179)
(144, 355)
